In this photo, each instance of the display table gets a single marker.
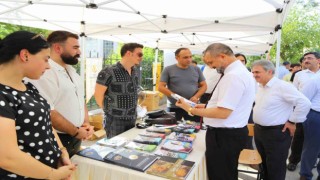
(89, 169)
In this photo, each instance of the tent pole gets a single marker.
(154, 74)
(278, 52)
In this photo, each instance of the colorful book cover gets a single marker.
(182, 129)
(131, 159)
(158, 130)
(147, 140)
(182, 137)
(114, 142)
(151, 134)
(141, 147)
(171, 168)
(162, 152)
(177, 146)
(96, 152)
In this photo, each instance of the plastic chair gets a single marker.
(251, 157)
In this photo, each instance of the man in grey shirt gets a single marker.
(182, 79)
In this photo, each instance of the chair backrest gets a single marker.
(250, 129)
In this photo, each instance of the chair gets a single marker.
(251, 157)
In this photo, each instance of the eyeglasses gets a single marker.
(38, 35)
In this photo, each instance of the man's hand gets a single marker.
(82, 133)
(89, 129)
(290, 126)
(194, 99)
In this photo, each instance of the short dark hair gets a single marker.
(193, 61)
(239, 54)
(286, 63)
(316, 54)
(177, 52)
(294, 65)
(301, 59)
(129, 47)
(60, 37)
(12, 44)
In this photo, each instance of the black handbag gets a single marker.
(160, 117)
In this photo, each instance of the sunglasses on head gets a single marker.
(38, 35)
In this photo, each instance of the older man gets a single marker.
(226, 114)
(278, 106)
(182, 79)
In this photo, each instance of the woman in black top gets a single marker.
(29, 147)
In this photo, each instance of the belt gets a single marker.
(270, 127)
(220, 128)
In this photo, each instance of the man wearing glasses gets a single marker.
(116, 90)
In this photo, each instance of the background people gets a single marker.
(278, 106)
(311, 63)
(116, 90)
(29, 147)
(226, 114)
(182, 79)
(63, 88)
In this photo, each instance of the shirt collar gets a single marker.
(233, 65)
(271, 82)
(57, 66)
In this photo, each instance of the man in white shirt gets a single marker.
(311, 62)
(311, 145)
(274, 116)
(63, 88)
(226, 114)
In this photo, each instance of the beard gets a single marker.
(220, 70)
(68, 59)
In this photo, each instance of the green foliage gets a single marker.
(300, 32)
(197, 58)
(10, 28)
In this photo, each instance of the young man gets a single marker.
(116, 90)
(63, 88)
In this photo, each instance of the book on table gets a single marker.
(171, 168)
(158, 130)
(162, 152)
(131, 159)
(114, 142)
(141, 147)
(152, 134)
(177, 146)
(182, 137)
(96, 152)
(147, 140)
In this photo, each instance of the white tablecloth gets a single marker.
(89, 169)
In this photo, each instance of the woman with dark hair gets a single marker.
(29, 147)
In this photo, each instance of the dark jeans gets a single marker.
(72, 144)
(182, 113)
(223, 147)
(117, 125)
(297, 144)
(273, 146)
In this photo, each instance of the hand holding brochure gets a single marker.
(177, 97)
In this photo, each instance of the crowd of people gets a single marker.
(43, 116)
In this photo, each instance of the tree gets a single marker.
(300, 32)
(10, 28)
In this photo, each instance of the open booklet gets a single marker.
(171, 168)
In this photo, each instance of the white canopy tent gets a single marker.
(247, 26)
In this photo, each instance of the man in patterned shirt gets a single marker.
(116, 90)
